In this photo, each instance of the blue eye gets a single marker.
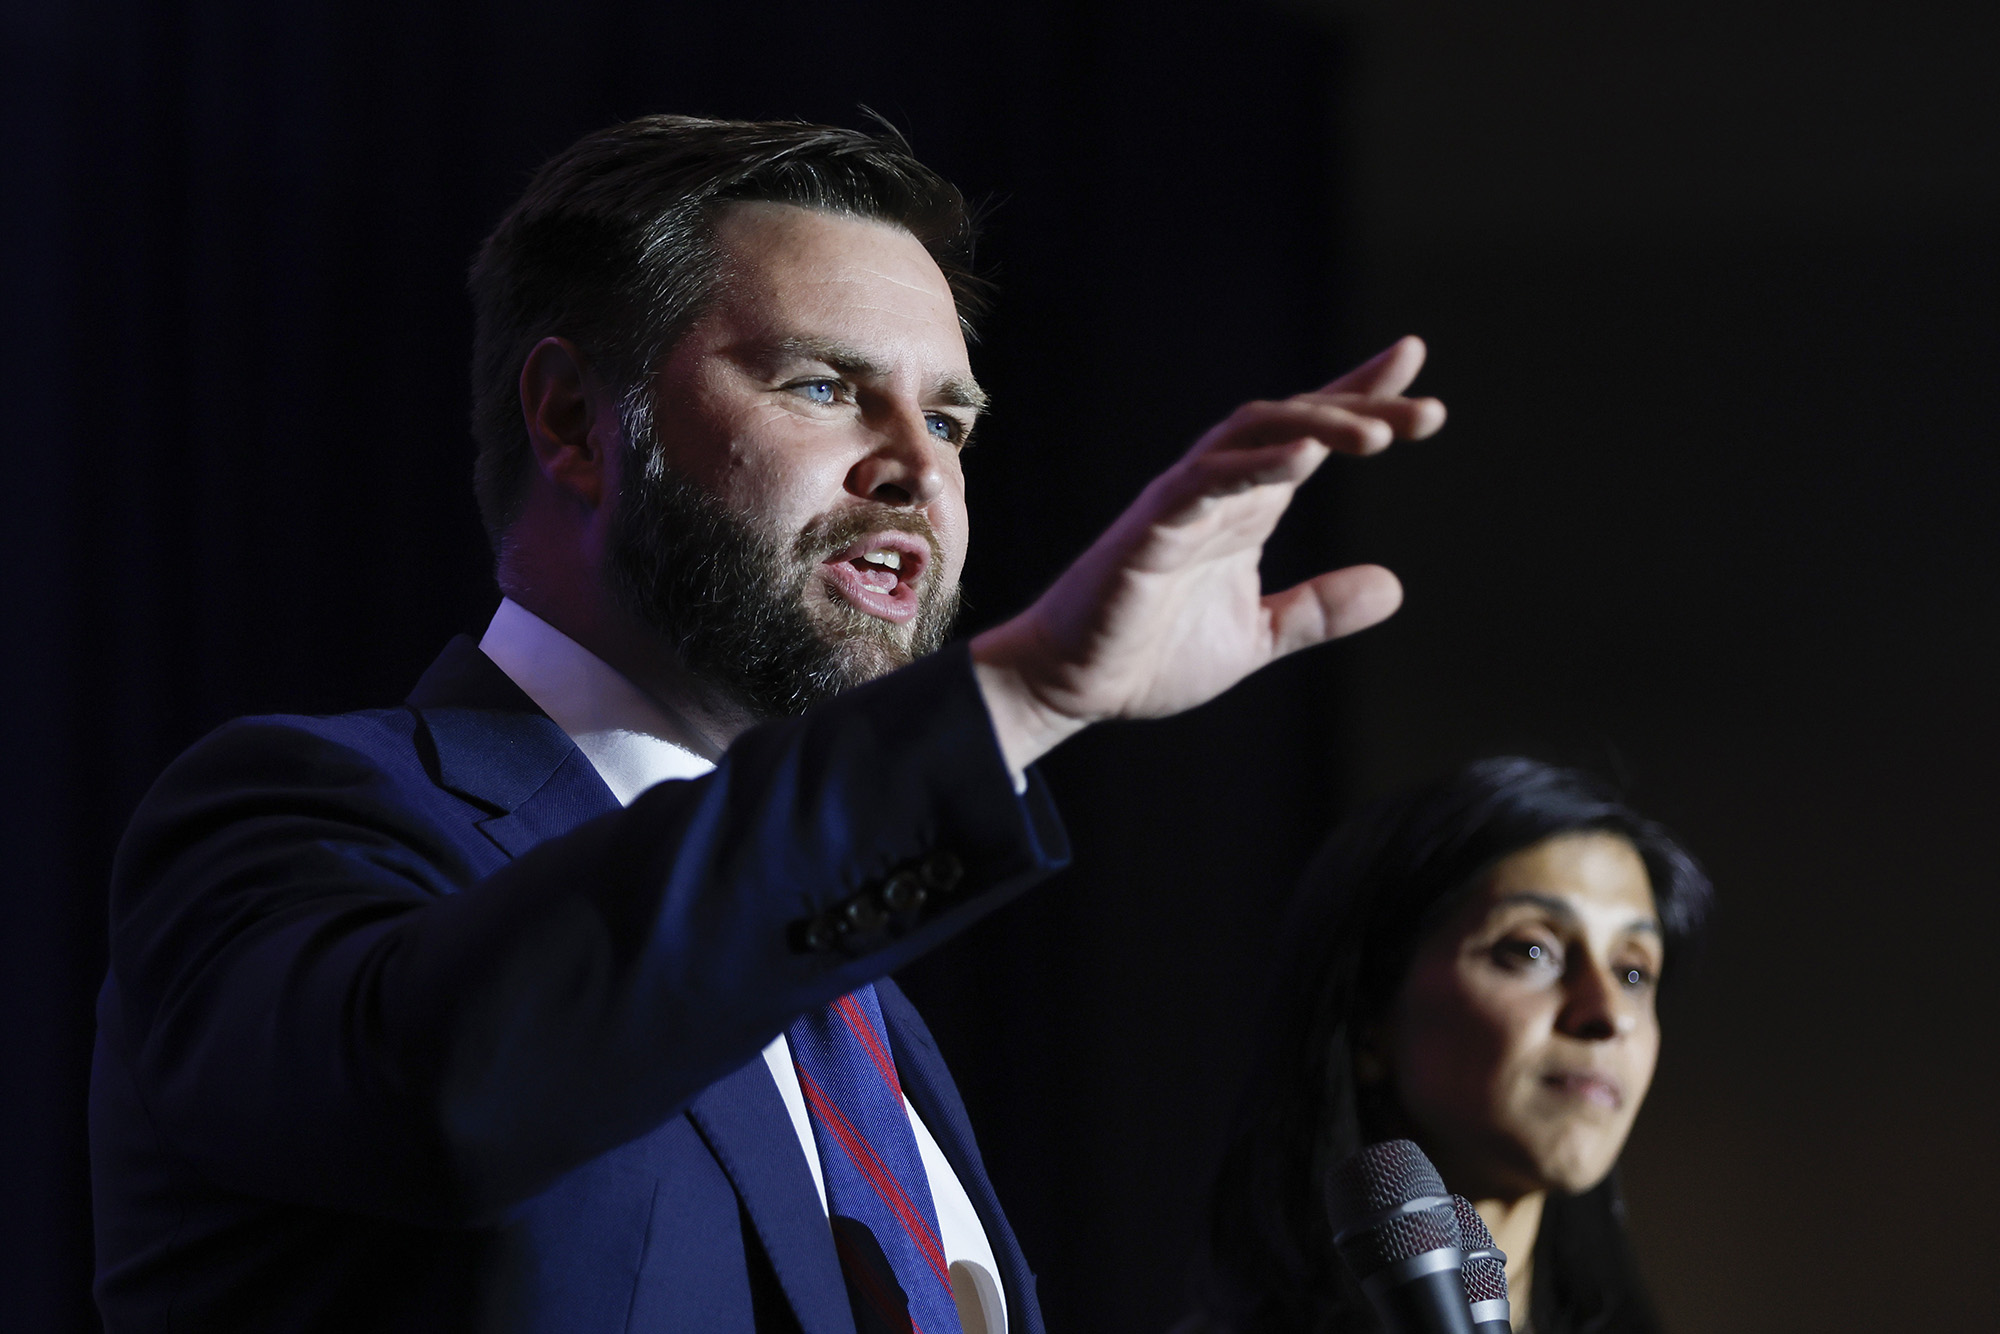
(943, 427)
(820, 391)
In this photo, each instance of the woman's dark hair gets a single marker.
(613, 247)
(1378, 886)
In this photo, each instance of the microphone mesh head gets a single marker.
(1485, 1271)
(1399, 1238)
(1375, 1182)
(1376, 1178)
(1470, 1225)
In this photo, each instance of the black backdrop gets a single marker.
(1712, 295)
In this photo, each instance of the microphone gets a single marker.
(1484, 1271)
(1393, 1224)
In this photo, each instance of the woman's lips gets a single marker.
(1584, 1086)
(880, 574)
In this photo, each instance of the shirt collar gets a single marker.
(629, 738)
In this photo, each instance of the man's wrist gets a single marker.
(1026, 727)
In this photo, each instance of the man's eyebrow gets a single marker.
(958, 391)
(1556, 907)
(962, 391)
(843, 357)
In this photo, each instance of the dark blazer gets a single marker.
(409, 1026)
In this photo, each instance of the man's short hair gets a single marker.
(613, 247)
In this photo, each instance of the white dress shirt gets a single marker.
(634, 742)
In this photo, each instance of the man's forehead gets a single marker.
(788, 245)
(854, 293)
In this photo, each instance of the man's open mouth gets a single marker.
(880, 574)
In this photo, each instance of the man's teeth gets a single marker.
(889, 559)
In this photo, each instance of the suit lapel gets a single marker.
(742, 1118)
(493, 746)
(928, 1085)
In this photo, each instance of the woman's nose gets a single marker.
(1596, 1006)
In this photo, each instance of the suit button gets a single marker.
(818, 935)
(942, 871)
(902, 892)
(859, 914)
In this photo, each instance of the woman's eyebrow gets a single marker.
(1561, 909)
(1548, 903)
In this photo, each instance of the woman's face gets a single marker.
(1524, 1036)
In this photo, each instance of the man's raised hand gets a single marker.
(1164, 611)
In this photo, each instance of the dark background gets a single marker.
(1711, 290)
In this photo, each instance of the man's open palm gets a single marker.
(1165, 610)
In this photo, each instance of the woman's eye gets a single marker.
(1525, 954)
(1636, 977)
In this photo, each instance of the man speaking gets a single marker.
(557, 998)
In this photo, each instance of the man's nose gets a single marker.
(901, 467)
(1596, 1005)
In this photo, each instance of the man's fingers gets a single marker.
(1335, 425)
(1388, 372)
(1410, 418)
(1331, 605)
(1229, 471)
(1362, 412)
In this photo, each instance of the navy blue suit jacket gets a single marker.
(409, 1026)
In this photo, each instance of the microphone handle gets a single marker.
(1432, 1303)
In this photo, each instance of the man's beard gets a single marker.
(749, 614)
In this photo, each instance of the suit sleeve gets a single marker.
(320, 999)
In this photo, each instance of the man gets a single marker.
(557, 998)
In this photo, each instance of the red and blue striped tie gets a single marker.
(884, 1224)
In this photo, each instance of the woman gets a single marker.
(1475, 967)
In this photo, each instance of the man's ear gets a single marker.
(572, 421)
